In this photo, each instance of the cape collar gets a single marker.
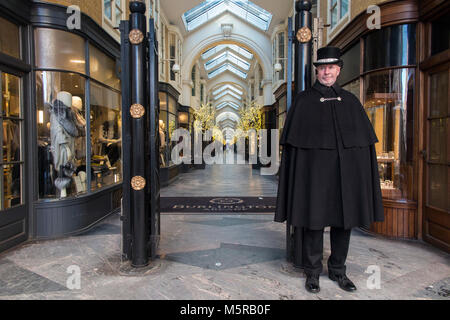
(325, 91)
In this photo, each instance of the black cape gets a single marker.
(328, 174)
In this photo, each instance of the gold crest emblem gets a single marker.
(304, 34)
(137, 111)
(138, 183)
(136, 36)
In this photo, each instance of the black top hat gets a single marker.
(329, 55)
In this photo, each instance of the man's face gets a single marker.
(328, 73)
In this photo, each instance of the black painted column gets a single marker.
(139, 106)
(303, 66)
(303, 45)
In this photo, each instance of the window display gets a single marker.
(11, 121)
(388, 100)
(106, 140)
(62, 112)
(61, 134)
(167, 125)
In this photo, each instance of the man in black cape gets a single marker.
(329, 173)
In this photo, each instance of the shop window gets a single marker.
(440, 34)
(279, 55)
(390, 46)
(103, 68)
(106, 129)
(202, 92)
(113, 11)
(439, 137)
(167, 125)
(388, 100)
(61, 132)
(351, 69)
(338, 11)
(11, 121)
(173, 55)
(354, 87)
(194, 81)
(56, 49)
(9, 38)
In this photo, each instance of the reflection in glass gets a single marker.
(10, 95)
(11, 124)
(440, 34)
(11, 140)
(388, 100)
(12, 174)
(9, 38)
(106, 139)
(354, 88)
(61, 134)
(103, 68)
(57, 49)
(163, 150)
(351, 59)
(438, 140)
(390, 46)
(438, 186)
(171, 129)
(439, 94)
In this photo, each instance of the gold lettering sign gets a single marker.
(138, 183)
(137, 111)
(136, 36)
(304, 34)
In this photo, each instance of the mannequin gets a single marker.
(162, 145)
(109, 136)
(80, 122)
(62, 133)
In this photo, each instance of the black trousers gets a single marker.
(313, 250)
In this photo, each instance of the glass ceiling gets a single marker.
(225, 67)
(239, 50)
(228, 103)
(231, 93)
(228, 86)
(227, 56)
(209, 9)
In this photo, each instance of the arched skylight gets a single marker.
(231, 93)
(225, 67)
(227, 56)
(217, 49)
(244, 9)
(227, 103)
(227, 86)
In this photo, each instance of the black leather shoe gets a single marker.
(344, 282)
(312, 284)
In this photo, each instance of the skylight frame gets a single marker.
(234, 47)
(228, 103)
(244, 9)
(228, 86)
(230, 67)
(227, 56)
(228, 91)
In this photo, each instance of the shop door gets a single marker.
(13, 214)
(436, 213)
